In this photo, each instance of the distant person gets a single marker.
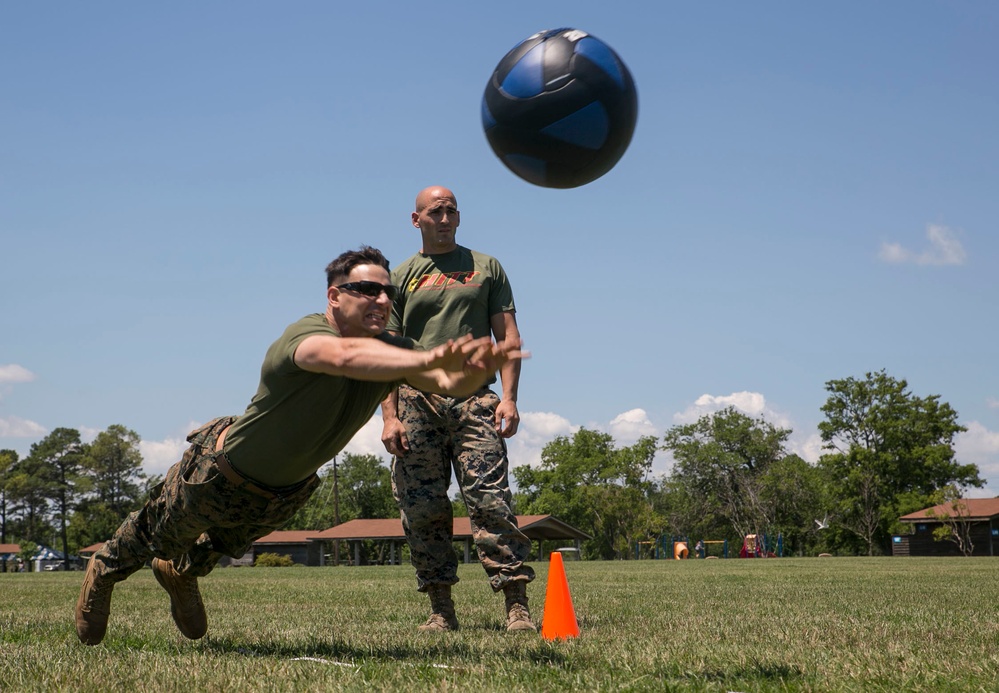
(446, 290)
(245, 476)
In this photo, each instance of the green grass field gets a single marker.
(840, 624)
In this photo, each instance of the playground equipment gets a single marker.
(673, 547)
(703, 550)
(680, 550)
(761, 546)
(639, 551)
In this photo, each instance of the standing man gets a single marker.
(446, 290)
(245, 476)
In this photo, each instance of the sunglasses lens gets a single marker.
(372, 289)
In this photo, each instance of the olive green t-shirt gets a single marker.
(446, 296)
(299, 420)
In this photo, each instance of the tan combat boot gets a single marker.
(186, 607)
(93, 605)
(442, 617)
(518, 617)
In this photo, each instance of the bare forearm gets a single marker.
(510, 380)
(390, 406)
(359, 358)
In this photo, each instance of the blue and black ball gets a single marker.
(560, 109)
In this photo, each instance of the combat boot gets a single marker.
(94, 604)
(186, 607)
(442, 616)
(518, 617)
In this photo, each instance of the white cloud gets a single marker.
(945, 249)
(159, 455)
(12, 373)
(628, 427)
(808, 448)
(88, 433)
(752, 404)
(16, 427)
(368, 440)
(806, 445)
(536, 430)
(978, 445)
(992, 403)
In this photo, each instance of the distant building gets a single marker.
(9, 561)
(311, 548)
(980, 514)
(50, 559)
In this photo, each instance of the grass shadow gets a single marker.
(759, 672)
(339, 650)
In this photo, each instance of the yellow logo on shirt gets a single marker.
(439, 281)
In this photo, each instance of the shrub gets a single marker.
(273, 560)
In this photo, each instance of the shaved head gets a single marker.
(428, 196)
(437, 218)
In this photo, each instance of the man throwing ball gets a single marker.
(245, 476)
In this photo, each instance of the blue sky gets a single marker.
(810, 195)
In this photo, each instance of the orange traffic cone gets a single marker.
(560, 618)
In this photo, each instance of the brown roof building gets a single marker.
(976, 518)
(310, 548)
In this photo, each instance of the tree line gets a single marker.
(67, 494)
(887, 452)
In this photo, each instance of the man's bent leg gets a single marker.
(247, 517)
(126, 552)
(177, 512)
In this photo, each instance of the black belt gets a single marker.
(242, 482)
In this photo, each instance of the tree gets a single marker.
(792, 488)
(114, 464)
(723, 461)
(891, 451)
(363, 490)
(955, 519)
(358, 487)
(366, 488)
(596, 487)
(58, 461)
(8, 458)
(114, 486)
(27, 489)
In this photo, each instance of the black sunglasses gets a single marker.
(371, 289)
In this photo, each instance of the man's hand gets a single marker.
(459, 355)
(463, 365)
(394, 437)
(507, 418)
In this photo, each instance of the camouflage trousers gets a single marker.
(446, 433)
(196, 515)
